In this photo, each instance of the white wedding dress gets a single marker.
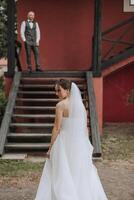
(69, 174)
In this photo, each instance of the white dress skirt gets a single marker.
(70, 174)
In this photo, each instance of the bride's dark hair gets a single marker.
(64, 83)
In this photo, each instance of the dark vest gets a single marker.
(30, 33)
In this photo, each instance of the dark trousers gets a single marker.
(18, 61)
(35, 51)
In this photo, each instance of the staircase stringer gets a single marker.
(93, 116)
(9, 110)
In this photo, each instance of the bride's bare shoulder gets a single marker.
(62, 104)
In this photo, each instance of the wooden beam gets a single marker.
(96, 60)
(119, 42)
(11, 37)
(118, 65)
(118, 58)
(58, 74)
(119, 25)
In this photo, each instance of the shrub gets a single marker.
(3, 99)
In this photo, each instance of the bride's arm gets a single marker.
(57, 124)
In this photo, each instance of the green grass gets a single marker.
(19, 168)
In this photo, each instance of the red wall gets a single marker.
(66, 44)
(112, 13)
(120, 84)
(118, 94)
(66, 30)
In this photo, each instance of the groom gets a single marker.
(30, 34)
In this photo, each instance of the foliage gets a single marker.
(3, 99)
(3, 28)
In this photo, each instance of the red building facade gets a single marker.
(66, 44)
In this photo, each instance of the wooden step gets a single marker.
(38, 102)
(53, 80)
(39, 92)
(36, 135)
(36, 92)
(36, 86)
(31, 125)
(34, 102)
(40, 99)
(33, 116)
(27, 146)
(29, 137)
(47, 86)
(37, 99)
(35, 107)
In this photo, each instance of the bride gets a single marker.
(69, 173)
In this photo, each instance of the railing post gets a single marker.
(96, 60)
(11, 38)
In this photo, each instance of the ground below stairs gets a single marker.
(19, 180)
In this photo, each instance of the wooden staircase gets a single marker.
(30, 112)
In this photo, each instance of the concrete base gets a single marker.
(36, 159)
(11, 156)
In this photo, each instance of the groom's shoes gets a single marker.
(29, 69)
(38, 69)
